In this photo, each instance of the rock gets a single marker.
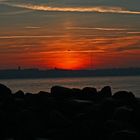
(111, 126)
(76, 93)
(107, 107)
(4, 91)
(123, 95)
(90, 92)
(69, 114)
(63, 92)
(105, 92)
(57, 119)
(125, 98)
(123, 114)
(43, 94)
(19, 94)
(124, 135)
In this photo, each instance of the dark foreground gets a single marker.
(69, 114)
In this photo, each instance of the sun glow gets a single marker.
(67, 60)
(66, 54)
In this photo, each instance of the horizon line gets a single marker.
(43, 69)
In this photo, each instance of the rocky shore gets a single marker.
(69, 114)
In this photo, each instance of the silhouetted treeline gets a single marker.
(36, 73)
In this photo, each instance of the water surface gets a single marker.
(129, 83)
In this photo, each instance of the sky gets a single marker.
(69, 34)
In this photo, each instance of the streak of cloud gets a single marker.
(32, 27)
(90, 28)
(97, 9)
(15, 12)
(48, 36)
(26, 37)
(136, 32)
(82, 43)
(3, 1)
(129, 48)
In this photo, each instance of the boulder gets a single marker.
(76, 92)
(19, 94)
(57, 119)
(4, 91)
(59, 91)
(89, 92)
(125, 98)
(112, 126)
(105, 92)
(124, 135)
(123, 114)
(124, 95)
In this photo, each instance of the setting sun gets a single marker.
(67, 60)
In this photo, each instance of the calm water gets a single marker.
(35, 85)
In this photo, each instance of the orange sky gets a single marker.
(69, 35)
(71, 52)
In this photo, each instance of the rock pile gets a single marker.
(69, 114)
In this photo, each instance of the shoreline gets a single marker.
(69, 113)
(60, 73)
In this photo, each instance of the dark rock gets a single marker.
(19, 94)
(107, 107)
(124, 135)
(123, 114)
(124, 95)
(90, 92)
(76, 93)
(63, 92)
(4, 91)
(57, 119)
(44, 93)
(125, 98)
(105, 92)
(69, 114)
(111, 126)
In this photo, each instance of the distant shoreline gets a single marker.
(59, 73)
(28, 78)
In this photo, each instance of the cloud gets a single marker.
(26, 37)
(135, 46)
(3, 1)
(98, 9)
(65, 44)
(32, 27)
(72, 51)
(45, 36)
(134, 32)
(15, 12)
(101, 29)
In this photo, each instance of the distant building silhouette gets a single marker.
(19, 68)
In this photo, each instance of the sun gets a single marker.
(67, 60)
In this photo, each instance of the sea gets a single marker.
(128, 83)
